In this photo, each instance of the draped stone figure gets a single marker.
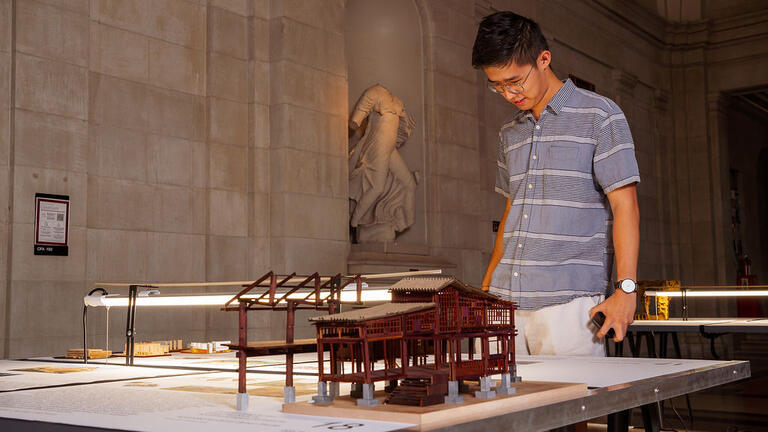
(381, 187)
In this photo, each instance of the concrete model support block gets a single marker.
(242, 402)
(356, 390)
(333, 389)
(506, 385)
(485, 389)
(453, 396)
(515, 377)
(289, 394)
(322, 397)
(367, 399)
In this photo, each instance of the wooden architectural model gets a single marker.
(419, 338)
(288, 293)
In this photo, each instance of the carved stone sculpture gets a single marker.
(381, 187)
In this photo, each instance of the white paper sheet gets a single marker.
(189, 403)
(601, 371)
(96, 372)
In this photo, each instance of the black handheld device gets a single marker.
(599, 319)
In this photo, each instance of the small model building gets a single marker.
(208, 347)
(429, 318)
(92, 353)
(149, 349)
(172, 345)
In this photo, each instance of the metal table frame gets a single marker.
(596, 403)
(612, 400)
(709, 328)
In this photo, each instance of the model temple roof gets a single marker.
(375, 312)
(435, 284)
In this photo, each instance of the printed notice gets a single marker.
(51, 224)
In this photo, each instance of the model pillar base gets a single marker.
(515, 377)
(333, 389)
(453, 396)
(241, 401)
(506, 385)
(356, 391)
(322, 397)
(485, 389)
(367, 399)
(289, 394)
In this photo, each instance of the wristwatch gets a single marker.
(627, 285)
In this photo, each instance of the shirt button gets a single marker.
(516, 274)
(538, 127)
(534, 157)
(519, 245)
(525, 216)
(530, 186)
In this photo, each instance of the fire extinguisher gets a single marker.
(747, 307)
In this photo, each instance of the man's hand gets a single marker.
(619, 310)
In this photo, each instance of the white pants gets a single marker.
(559, 330)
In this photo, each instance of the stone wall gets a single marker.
(6, 73)
(207, 140)
(183, 160)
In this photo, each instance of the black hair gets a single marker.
(506, 37)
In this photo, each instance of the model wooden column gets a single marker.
(289, 340)
(243, 342)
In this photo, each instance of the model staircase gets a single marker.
(420, 391)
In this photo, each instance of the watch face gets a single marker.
(628, 285)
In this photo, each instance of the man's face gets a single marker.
(514, 77)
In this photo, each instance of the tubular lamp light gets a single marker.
(112, 300)
(708, 293)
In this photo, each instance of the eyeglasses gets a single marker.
(502, 87)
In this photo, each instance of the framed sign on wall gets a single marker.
(51, 224)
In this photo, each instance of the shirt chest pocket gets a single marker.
(565, 156)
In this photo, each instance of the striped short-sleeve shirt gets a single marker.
(557, 171)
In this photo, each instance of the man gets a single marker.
(567, 167)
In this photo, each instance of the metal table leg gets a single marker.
(678, 354)
(651, 418)
(619, 422)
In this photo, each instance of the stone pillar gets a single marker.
(6, 172)
(485, 391)
(289, 394)
(308, 207)
(44, 147)
(322, 397)
(241, 401)
(717, 137)
(333, 389)
(236, 225)
(694, 203)
(455, 169)
(367, 399)
(663, 149)
(356, 390)
(506, 385)
(453, 396)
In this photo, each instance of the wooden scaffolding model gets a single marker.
(287, 293)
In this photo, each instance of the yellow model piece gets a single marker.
(655, 308)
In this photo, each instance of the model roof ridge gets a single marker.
(375, 312)
(437, 283)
